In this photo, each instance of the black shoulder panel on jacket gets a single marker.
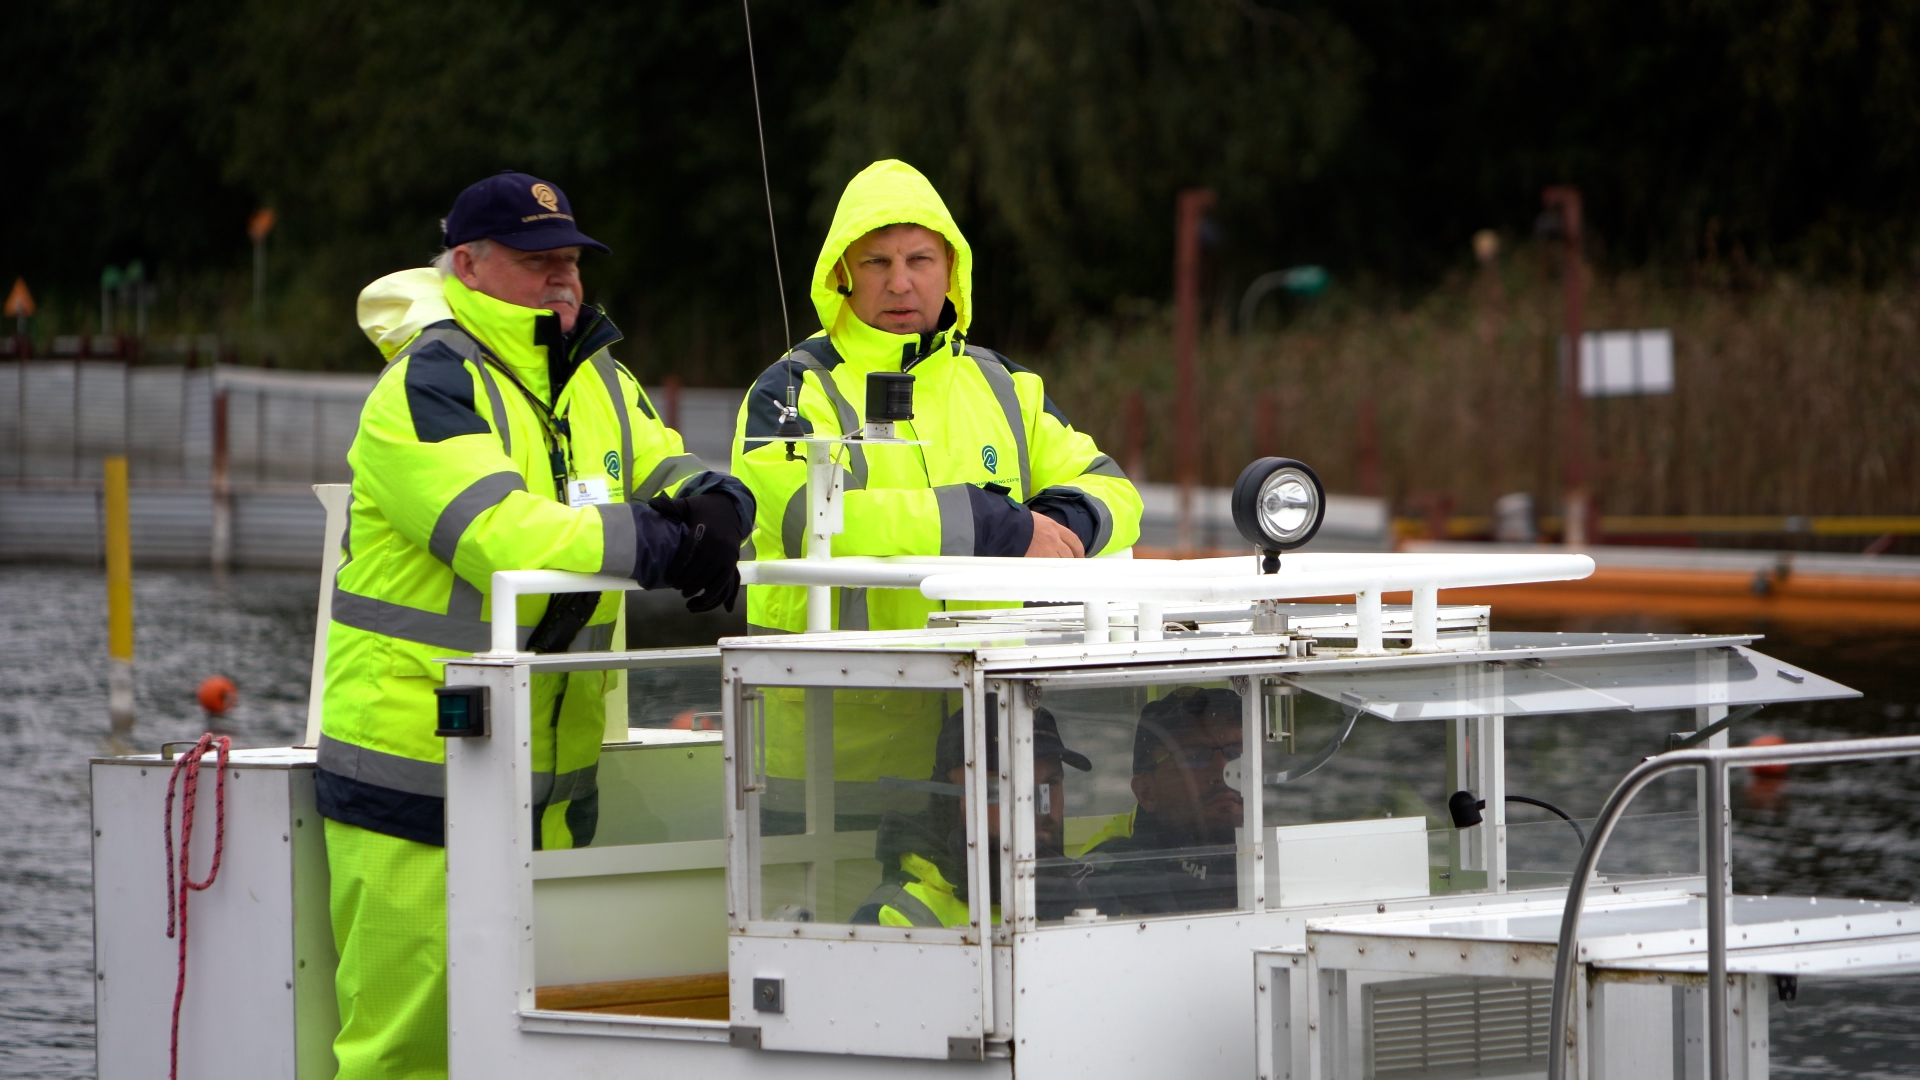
(769, 396)
(440, 394)
(1046, 403)
(821, 349)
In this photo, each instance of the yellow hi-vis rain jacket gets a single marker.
(986, 419)
(453, 479)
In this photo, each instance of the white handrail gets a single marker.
(1098, 582)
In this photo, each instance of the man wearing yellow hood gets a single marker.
(1003, 472)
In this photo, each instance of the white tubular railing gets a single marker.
(1096, 583)
(1564, 1037)
(510, 585)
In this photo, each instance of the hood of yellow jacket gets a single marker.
(397, 307)
(394, 309)
(887, 193)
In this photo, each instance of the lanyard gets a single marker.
(558, 433)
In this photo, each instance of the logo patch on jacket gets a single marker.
(990, 458)
(613, 463)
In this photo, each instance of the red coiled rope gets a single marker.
(189, 762)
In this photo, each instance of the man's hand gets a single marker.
(1052, 540)
(704, 569)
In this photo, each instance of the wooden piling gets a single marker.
(119, 547)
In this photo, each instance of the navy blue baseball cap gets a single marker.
(523, 212)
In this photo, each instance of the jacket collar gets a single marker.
(870, 349)
(528, 340)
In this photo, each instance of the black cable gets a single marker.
(1552, 809)
(766, 183)
(1465, 811)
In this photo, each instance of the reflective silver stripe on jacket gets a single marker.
(578, 784)
(619, 539)
(793, 524)
(756, 630)
(1001, 382)
(849, 417)
(500, 421)
(899, 899)
(1104, 466)
(460, 512)
(1102, 525)
(669, 472)
(956, 519)
(1102, 517)
(381, 769)
(793, 521)
(853, 609)
(603, 363)
(456, 632)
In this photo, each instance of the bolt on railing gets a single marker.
(1718, 872)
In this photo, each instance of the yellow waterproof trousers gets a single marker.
(389, 906)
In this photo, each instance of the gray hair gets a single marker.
(443, 262)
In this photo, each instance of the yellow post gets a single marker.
(119, 598)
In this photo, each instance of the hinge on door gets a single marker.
(960, 1048)
(743, 1038)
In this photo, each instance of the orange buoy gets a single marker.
(217, 694)
(1769, 740)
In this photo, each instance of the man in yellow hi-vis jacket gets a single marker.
(1002, 473)
(502, 435)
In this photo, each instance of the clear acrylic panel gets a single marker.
(1132, 781)
(862, 806)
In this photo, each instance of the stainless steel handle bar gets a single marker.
(1716, 763)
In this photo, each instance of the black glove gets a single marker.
(705, 569)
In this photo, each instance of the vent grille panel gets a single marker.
(1456, 1027)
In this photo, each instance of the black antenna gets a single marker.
(790, 428)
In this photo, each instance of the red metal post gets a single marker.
(671, 410)
(1191, 207)
(222, 553)
(1576, 501)
(1369, 449)
(1136, 444)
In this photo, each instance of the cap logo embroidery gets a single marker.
(613, 464)
(990, 458)
(544, 195)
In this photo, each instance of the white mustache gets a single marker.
(560, 296)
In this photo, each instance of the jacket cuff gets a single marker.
(708, 483)
(1002, 528)
(1071, 509)
(656, 540)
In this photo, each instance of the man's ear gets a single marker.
(463, 261)
(844, 288)
(1142, 784)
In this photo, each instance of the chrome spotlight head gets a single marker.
(1278, 504)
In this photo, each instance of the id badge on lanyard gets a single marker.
(590, 492)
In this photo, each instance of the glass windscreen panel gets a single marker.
(629, 890)
(862, 806)
(1136, 807)
(1639, 681)
(663, 782)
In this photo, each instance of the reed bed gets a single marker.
(1788, 399)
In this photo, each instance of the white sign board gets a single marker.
(1615, 363)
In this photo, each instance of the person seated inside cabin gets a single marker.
(924, 854)
(1174, 852)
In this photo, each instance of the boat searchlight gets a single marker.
(1278, 504)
